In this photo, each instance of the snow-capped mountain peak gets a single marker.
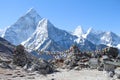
(23, 28)
(45, 27)
(110, 39)
(31, 10)
(32, 13)
(78, 31)
(44, 23)
(89, 31)
(48, 37)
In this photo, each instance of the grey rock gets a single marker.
(93, 63)
(5, 65)
(42, 66)
(111, 74)
(117, 73)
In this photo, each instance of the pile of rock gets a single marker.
(76, 61)
(19, 56)
(71, 61)
(30, 63)
(111, 52)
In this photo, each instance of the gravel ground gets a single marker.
(19, 74)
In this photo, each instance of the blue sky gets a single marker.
(66, 14)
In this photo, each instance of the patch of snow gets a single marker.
(2, 32)
(118, 46)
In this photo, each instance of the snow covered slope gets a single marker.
(1, 32)
(47, 37)
(37, 33)
(23, 28)
(109, 38)
(78, 31)
(92, 36)
(99, 37)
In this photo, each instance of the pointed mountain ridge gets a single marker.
(44, 23)
(23, 28)
(48, 37)
(31, 10)
(32, 13)
(78, 31)
(44, 26)
(109, 38)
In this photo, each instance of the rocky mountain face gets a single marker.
(37, 33)
(6, 49)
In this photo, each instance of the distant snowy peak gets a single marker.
(92, 36)
(98, 37)
(78, 31)
(23, 28)
(107, 36)
(89, 31)
(110, 39)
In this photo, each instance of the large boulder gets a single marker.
(109, 67)
(94, 63)
(111, 52)
(5, 65)
(117, 73)
(42, 66)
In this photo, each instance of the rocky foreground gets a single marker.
(63, 74)
(76, 66)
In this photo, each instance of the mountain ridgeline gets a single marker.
(36, 33)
